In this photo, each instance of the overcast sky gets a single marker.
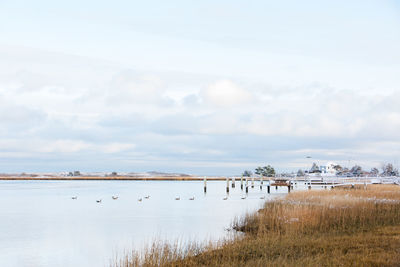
(202, 87)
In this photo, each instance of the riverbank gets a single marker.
(343, 227)
(110, 178)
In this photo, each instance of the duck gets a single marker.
(115, 197)
(140, 199)
(225, 198)
(178, 198)
(147, 197)
(243, 197)
(74, 197)
(192, 198)
(263, 197)
(98, 201)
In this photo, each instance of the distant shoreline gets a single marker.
(112, 178)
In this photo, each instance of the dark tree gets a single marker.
(314, 168)
(338, 168)
(259, 170)
(389, 170)
(356, 170)
(267, 171)
(247, 173)
(374, 171)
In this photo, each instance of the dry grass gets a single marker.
(314, 228)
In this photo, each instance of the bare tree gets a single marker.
(389, 170)
(338, 168)
(314, 168)
(356, 170)
(374, 171)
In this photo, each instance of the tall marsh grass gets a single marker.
(333, 227)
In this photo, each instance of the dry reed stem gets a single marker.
(325, 228)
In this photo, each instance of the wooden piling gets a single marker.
(252, 182)
(261, 182)
(247, 186)
(288, 188)
(227, 185)
(241, 182)
(233, 182)
(269, 189)
(205, 185)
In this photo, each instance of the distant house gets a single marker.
(329, 169)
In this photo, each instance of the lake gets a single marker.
(40, 225)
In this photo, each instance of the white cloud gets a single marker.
(53, 109)
(62, 146)
(116, 147)
(225, 93)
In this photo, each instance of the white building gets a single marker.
(329, 169)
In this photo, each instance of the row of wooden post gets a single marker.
(290, 186)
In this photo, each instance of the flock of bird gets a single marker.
(147, 197)
(113, 197)
(97, 200)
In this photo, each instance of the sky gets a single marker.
(199, 87)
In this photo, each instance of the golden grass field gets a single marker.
(339, 227)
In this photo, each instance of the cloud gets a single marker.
(63, 146)
(225, 93)
(108, 115)
(116, 147)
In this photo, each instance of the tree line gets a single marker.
(387, 169)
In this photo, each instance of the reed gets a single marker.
(313, 228)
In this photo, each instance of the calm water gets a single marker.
(40, 225)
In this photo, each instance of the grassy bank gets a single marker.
(347, 227)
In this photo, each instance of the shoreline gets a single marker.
(113, 178)
(306, 228)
